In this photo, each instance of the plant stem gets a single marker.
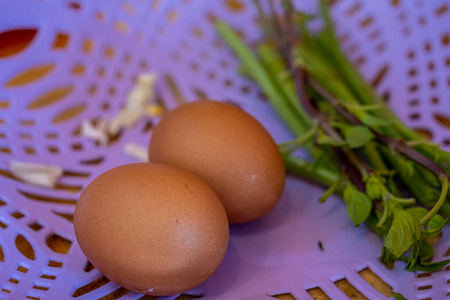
(275, 67)
(397, 144)
(307, 170)
(438, 205)
(260, 75)
(384, 215)
(298, 142)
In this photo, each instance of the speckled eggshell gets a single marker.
(152, 228)
(229, 149)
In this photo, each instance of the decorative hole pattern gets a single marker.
(78, 69)
(22, 269)
(116, 294)
(348, 289)
(424, 287)
(89, 287)
(49, 277)
(3, 225)
(284, 296)
(318, 293)
(109, 52)
(74, 5)
(58, 244)
(67, 216)
(35, 226)
(69, 113)
(42, 198)
(31, 75)
(29, 150)
(89, 267)
(51, 97)
(17, 215)
(14, 41)
(13, 280)
(61, 41)
(58, 77)
(4, 104)
(423, 274)
(39, 287)
(374, 280)
(24, 247)
(55, 264)
(88, 46)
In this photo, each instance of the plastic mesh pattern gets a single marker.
(78, 59)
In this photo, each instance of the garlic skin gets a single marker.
(37, 174)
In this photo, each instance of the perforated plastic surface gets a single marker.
(88, 54)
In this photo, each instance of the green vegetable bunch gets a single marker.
(388, 175)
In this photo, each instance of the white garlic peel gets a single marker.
(136, 151)
(136, 103)
(97, 132)
(38, 174)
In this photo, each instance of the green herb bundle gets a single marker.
(388, 175)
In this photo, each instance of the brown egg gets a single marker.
(228, 149)
(152, 228)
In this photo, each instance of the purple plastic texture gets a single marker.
(401, 46)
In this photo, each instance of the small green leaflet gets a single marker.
(323, 139)
(435, 225)
(358, 204)
(403, 232)
(357, 136)
(420, 253)
(428, 267)
(398, 296)
(406, 167)
(388, 259)
(419, 212)
(375, 188)
(370, 120)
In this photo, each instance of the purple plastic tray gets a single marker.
(93, 51)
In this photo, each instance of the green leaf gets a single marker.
(356, 106)
(357, 136)
(414, 256)
(421, 251)
(403, 232)
(398, 296)
(388, 259)
(407, 167)
(323, 139)
(370, 120)
(375, 188)
(428, 177)
(322, 157)
(435, 224)
(424, 252)
(358, 204)
(430, 267)
(419, 212)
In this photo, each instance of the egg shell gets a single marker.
(229, 149)
(152, 228)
